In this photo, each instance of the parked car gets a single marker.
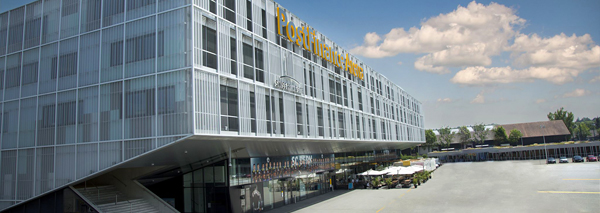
(591, 158)
(563, 160)
(551, 160)
(577, 158)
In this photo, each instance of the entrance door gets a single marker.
(288, 192)
(285, 190)
(217, 199)
(206, 190)
(217, 191)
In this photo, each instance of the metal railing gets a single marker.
(117, 201)
(89, 202)
(94, 185)
(156, 198)
(116, 194)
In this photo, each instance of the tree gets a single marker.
(500, 135)
(430, 138)
(465, 135)
(514, 136)
(446, 136)
(479, 133)
(582, 131)
(565, 116)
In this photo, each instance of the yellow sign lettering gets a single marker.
(307, 39)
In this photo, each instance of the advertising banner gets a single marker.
(270, 168)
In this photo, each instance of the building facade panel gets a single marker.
(88, 84)
(78, 72)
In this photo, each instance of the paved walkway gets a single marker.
(507, 186)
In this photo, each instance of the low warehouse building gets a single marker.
(533, 132)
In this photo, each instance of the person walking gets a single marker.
(330, 185)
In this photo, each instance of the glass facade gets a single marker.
(258, 184)
(88, 84)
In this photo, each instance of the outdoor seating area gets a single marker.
(402, 174)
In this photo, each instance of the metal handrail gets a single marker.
(97, 189)
(116, 195)
(89, 202)
(117, 200)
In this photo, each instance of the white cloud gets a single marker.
(576, 93)
(558, 60)
(595, 79)
(469, 37)
(444, 100)
(372, 39)
(482, 76)
(539, 101)
(422, 64)
(479, 99)
(559, 51)
(454, 56)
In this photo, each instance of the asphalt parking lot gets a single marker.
(506, 186)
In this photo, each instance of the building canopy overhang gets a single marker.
(198, 148)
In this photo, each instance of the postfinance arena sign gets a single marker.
(308, 40)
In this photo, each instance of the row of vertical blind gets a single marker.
(279, 62)
(52, 138)
(74, 76)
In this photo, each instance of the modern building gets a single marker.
(190, 106)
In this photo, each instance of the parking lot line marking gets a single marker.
(380, 209)
(566, 192)
(404, 193)
(581, 179)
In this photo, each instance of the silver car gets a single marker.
(563, 160)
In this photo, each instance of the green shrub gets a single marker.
(388, 182)
(375, 182)
(407, 157)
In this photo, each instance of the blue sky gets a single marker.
(464, 80)
(527, 89)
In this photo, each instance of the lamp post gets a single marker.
(544, 137)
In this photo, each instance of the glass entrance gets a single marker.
(205, 190)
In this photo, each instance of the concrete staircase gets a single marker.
(110, 199)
